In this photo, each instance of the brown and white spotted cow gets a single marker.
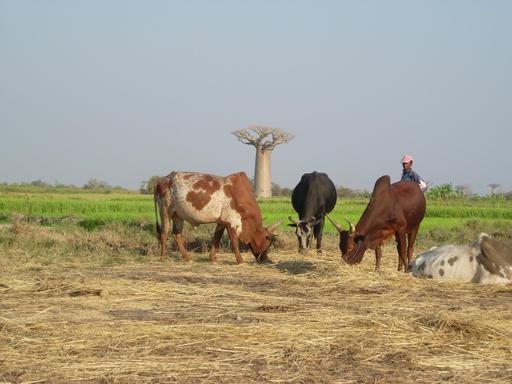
(200, 198)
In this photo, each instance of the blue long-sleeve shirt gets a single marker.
(413, 176)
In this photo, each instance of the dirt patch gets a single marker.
(296, 267)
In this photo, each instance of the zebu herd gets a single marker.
(393, 210)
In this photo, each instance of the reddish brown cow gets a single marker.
(200, 198)
(394, 209)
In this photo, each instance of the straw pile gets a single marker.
(305, 319)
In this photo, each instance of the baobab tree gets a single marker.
(493, 187)
(264, 139)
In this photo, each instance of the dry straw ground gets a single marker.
(91, 308)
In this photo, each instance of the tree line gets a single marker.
(445, 191)
(91, 184)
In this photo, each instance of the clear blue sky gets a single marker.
(122, 90)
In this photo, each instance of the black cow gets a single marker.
(312, 198)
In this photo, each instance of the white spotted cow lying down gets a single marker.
(487, 261)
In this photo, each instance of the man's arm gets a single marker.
(415, 177)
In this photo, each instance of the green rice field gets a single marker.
(125, 206)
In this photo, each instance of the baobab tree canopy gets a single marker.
(264, 139)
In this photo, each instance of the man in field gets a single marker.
(409, 175)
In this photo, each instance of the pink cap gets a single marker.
(407, 159)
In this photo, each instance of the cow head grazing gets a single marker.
(352, 245)
(261, 242)
(374, 225)
(303, 230)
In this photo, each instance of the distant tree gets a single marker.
(40, 183)
(345, 192)
(493, 187)
(277, 190)
(463, 190)
(148, 186)
(96, 184)
(349, 193)
(265, 140)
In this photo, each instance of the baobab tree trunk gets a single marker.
(262, 178)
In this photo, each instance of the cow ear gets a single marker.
(272, 237)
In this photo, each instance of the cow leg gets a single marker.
(378, 256)
(177, 228)
(164, 230)
(411, 238)
(233, 238)
(217, 235)
(402, 250)
(398, 251)
(318, 229)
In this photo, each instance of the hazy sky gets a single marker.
(122, 90)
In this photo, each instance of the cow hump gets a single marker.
(381, 185)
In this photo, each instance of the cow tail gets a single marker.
(158, 228)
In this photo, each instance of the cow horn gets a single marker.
(338, 227)
(294, 220)
(352, 227)
(274, 226)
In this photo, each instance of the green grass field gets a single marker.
(123, 206)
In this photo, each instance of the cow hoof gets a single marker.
(319, 251)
